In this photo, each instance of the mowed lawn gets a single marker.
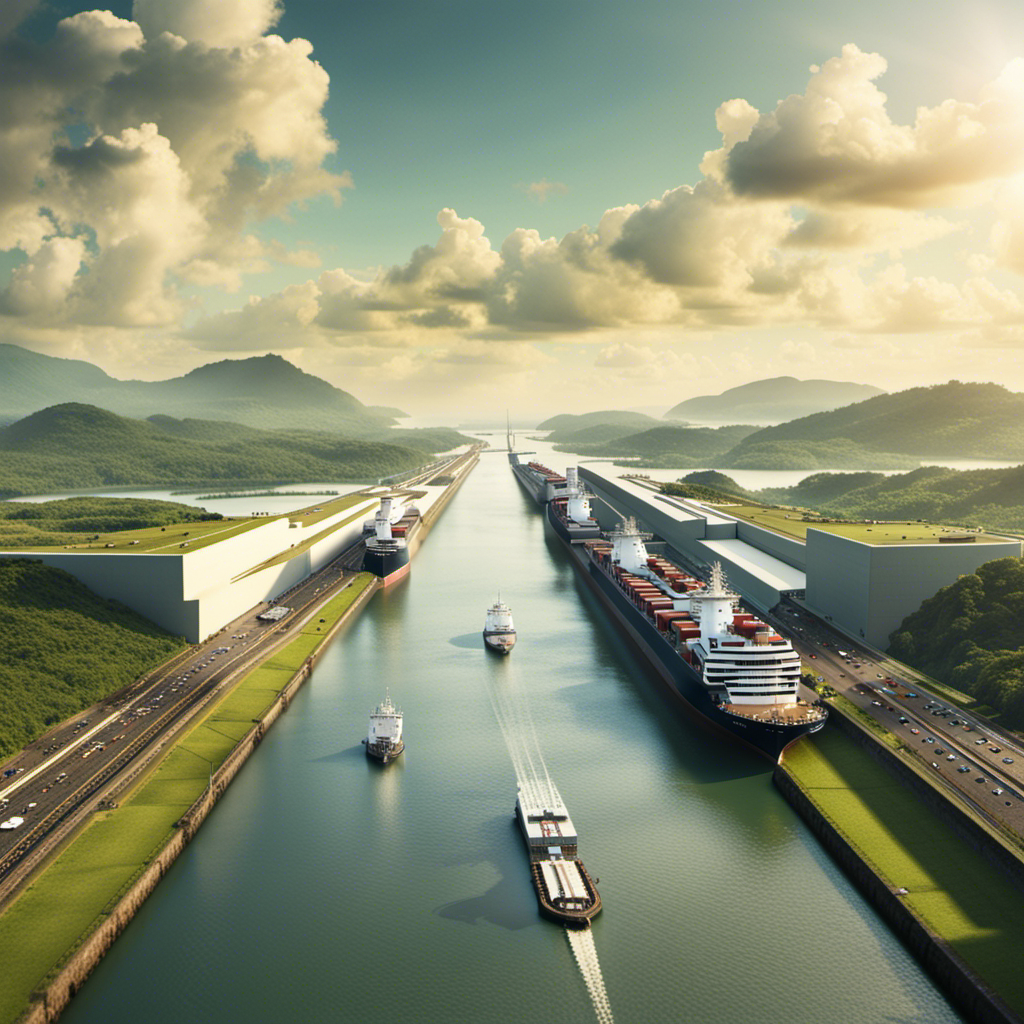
(952, 887)
(59, 909)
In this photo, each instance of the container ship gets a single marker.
(384, 742)
(736, 671)
(569, 513)
(565, 891)
(387, 553)
(499, 629)
(539, 482)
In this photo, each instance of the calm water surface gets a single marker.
(326, 889)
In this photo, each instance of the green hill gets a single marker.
(667, 446)
(810, 454)
(568, 422)
(981, 421)
(78, 447)
(709, 485)
(265, 392)
(971, 635)
(771, 401)
(992, 498)
(53, 629)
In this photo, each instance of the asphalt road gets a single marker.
(880, 687)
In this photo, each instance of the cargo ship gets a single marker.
(736, 671)
(569, 513)
(499, 629)
(565, 891)
(384, 742)
(387, 553)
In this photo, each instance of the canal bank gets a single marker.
(945, 886)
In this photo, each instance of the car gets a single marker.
(10, 772)
(1007, 760)
(912, 695)
(951, 757)
(813, 655)
(930, 739)
(877, 703)
(963, 768)
(978, 743)
(997, 791)
(915, 731)
(980, 778)
(956, 721)
(996, 750)
(934, 765)
(940, 750)
(904, 720)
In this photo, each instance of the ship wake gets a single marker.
(583, 949)
(534, 781)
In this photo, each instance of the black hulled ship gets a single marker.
(386, 556)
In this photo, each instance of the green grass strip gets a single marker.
(952, 887)
(70, 898)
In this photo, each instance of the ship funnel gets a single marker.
(382, 523)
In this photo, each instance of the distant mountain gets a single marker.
(76, 446)
(771, 401)
(667, 446)
(265, 391)
(569, 422)
(971, 421)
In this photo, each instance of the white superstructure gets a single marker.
(384, 740)
(578, 506)
(499, 629)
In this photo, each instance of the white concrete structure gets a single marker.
(194, 593)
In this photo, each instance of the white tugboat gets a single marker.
(499, 630)
(385, 739)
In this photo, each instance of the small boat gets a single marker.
(499, 630)
(384, 742)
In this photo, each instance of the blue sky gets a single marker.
(174, 199)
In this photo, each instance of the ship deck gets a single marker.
(779, 714)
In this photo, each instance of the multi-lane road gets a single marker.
(974, 762)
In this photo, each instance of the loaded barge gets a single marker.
(565, 891)
(737, 672)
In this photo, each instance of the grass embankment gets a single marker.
(71, 897)
(793, 524)
(952, 887)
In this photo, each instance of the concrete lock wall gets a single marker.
(194, 593)
(786, 549)
(870, 589)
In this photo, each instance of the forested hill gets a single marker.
(264, 391)
(971, 635)
(771, 401)
(73, 446)
(62, 648)
(976, 421)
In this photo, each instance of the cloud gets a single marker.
(541, 190)
(189, 127)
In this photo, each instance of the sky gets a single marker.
(460, 207)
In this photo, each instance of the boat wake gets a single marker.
(520, 735)
(582, 942)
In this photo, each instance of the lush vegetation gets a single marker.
(80, 446)
(62, 648)
(31, 524)
(810, 454)
(971, 636)
(991, 498)
(771, 401)
(980, 421)
(951, 886)
(667, 446)
(567, 422)
(709, 485)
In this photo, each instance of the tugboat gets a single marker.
(384, 742)
(499, 630)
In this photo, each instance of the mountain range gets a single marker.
(774, 400)
(265, 391)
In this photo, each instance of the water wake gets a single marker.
(520, 735)
(582, 943)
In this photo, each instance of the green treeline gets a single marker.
(62, 648)
(971, 635)
(72, 447)
(31, 524)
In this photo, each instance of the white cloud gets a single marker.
(213, 22)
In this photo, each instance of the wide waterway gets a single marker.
(324, 888)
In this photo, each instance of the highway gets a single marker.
(945, 738)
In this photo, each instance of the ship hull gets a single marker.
(571, 533)
(530, 483)
(390, 566)
(384, 752)
(500, 643)
(767, 739)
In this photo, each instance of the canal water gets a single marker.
(325, 889)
